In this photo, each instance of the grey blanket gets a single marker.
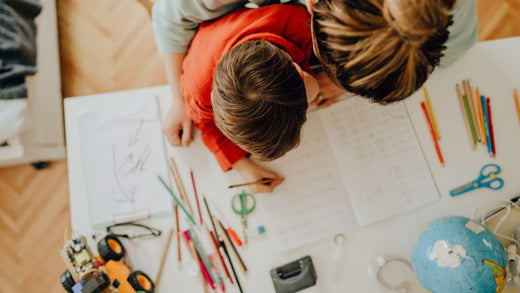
(17, 45)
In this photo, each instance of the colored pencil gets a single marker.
(260, 181)
(471, 105)
(480, 117)
(196, 196)
(228, 242)
(486, 120)
(178, 183)
(222, 244)
(177, 231)
(435, 143)
(203, 268)
(492, 133)
(430, 110)
(176, 199)
(163, 257)
(517, 103)
(464, 115)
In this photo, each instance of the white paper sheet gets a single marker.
(123, 152)
(380, 159)
(358, 163)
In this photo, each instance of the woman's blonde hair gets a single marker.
(383, 50)
(259, 99)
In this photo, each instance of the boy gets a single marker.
(243, 86)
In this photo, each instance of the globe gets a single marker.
(459, 255)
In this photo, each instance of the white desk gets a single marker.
(494, 66)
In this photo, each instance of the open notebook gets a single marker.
(122, 151)
(358, 163)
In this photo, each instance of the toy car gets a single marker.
(103, 273)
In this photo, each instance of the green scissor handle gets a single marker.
(247, 203)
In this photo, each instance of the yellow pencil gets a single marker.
(515, 94)
(434, 122)
(481, 117)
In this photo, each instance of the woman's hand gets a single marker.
(177, 125)
(250, 172)
(329, 91)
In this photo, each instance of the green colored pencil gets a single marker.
(176, 200)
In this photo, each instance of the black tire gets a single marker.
(141, 282)
(67, 281)
(110, 248)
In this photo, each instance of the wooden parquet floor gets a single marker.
(107, 45)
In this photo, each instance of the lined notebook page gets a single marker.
(379, 157)
(311, 203)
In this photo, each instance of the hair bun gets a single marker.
(416, 20)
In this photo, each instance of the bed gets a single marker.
(42, 138)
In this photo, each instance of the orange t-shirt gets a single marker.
(287, 26)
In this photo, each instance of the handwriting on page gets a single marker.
(311, 203)
(379, 157)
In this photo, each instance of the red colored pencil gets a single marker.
(491, 132)
(196, 196)
(432, 132)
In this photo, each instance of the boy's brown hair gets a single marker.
(383, 50)
(259, 99)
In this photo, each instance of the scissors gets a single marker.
(247, 203)
(488, 178)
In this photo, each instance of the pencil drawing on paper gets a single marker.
(129, 160)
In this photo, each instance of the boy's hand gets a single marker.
(177, 125)
(329, 91)
(252, 172)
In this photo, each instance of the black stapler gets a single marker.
(294, 276)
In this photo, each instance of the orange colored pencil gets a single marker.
(517, 103)
(432, 132)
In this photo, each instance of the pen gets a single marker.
(203, 268)
(261, 181)
(228, 242)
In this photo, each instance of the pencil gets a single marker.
(176, 199)
(215, 237)
(431, 113)
(177, 230)
(486, 120)
(261, 181)
(163, 258)
(229, 243)
(480, 117)
(471, 105)
(193, 253)
(178, 183)
(196, 195)
(491, 132)
(517, 103)
(222, 244)
(464, 115)
(435, 143)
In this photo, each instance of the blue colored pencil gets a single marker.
(486, 124)
(176, 200)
